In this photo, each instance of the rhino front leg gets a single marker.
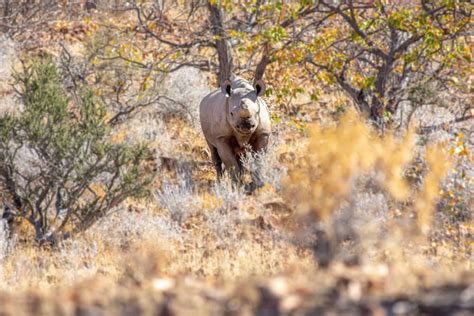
(216, 161)
(226, 154)
(259, 146)
(260, 143)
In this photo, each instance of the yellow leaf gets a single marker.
(151, 25)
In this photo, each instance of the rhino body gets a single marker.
(232, 118)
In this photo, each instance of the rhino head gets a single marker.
(242, 106)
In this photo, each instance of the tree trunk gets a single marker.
(222, 44)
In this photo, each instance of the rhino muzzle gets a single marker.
(244, 113)
(245, 126)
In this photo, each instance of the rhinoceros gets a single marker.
(233, 118)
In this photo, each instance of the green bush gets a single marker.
(58, 167)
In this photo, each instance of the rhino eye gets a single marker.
(231, 113)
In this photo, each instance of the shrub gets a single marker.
(339, 157)
(457, 189)
(264, 164)
(57, 166)
(178, 199)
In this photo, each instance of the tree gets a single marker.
(58, 168)
(241, 37)
(380, 52)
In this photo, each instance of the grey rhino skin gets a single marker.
(231, 118)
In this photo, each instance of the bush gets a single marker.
(265, 166)
(325, 186)
(57, 166)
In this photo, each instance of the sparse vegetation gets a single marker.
(58, 170)
(354, 217)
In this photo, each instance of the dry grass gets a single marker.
(202, 228)
(219, 234)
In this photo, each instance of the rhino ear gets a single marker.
(226, 88)
(259, 87)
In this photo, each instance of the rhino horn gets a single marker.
(244, 113)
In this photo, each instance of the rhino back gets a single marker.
(212, 114)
